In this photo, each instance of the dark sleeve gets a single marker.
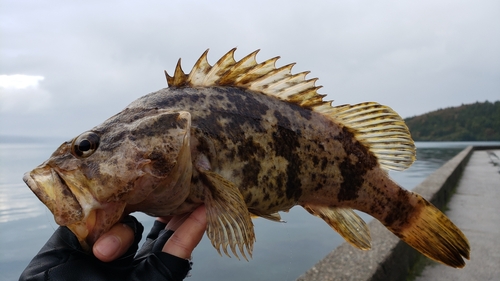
(62, 258)
(147, 247)
(151, 256)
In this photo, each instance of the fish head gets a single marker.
(131, 162)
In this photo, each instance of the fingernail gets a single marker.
(108, 246)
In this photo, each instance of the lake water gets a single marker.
(283, 251)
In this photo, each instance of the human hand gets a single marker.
(188, 232)
(162, 257)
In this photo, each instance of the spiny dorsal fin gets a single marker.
(247, 73)
(378, 127)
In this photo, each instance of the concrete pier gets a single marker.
(475, 208)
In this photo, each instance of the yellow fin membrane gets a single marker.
(434, 235)
(381, 130)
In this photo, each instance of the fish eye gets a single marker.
(85, 144)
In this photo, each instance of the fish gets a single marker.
(247, 140)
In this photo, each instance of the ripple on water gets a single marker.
(18, 202)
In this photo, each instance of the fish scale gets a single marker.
(248, 140)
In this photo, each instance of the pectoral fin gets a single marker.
(228, 219)
(346, 222)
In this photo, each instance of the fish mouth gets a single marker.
(73, 207)
(53, 191)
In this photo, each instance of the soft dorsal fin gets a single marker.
(380, 129)
(377, 126)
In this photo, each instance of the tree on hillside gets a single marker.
(468, 122)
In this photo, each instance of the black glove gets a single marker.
(62, 258)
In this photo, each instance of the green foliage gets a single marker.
(470, 122)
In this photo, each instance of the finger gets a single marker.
(164, 220)
(114, 243)
(176, 221)
(188, 235)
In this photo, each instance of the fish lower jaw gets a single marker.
(83, 230)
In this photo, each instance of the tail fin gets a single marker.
(431, 232)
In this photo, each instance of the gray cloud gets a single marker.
(98, 56)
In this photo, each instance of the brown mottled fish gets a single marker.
(246, 139)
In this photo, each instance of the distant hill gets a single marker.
(468, 122)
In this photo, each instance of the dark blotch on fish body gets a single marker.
(285, 144)
(353, 173)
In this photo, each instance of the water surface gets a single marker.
(283, 251)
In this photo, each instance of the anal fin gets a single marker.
(346, 222)
(228, 219)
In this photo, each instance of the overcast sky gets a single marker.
(66, 66)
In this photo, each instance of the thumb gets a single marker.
(117, 241)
